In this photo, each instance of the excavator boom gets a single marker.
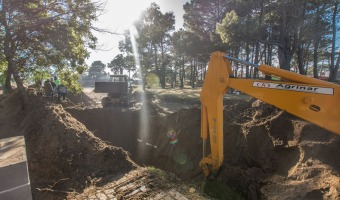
(311, 99)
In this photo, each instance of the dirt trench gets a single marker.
(267, 151)
(269, 154)
(144, 136)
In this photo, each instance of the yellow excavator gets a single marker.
(311, 99)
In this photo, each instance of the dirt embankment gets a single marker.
(269, 154)
(63, 156)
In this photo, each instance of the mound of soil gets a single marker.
(63, 156)
(81, 99)
(271, 154)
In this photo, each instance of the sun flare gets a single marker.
(124, 12)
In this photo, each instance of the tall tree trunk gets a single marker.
(17, 79)
(202, 71)
(156, 61)
(266, 60)
(333, 69)
(298, 39)
(9, 49)
(257, 48)
(247, 59)
(316, 45)
(270, 55)
(7, 52)
(8, 87)
(336, 67)
(182, 75)
(174, 81)
(162, 72)
(315, 58)
(191, 71)
(300, 59)
(194, 73)
(306, 55)
(236, 64)
(283, 48)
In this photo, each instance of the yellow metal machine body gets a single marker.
(311, 99)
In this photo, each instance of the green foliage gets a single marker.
(121, 62)
(201, 16)
(117, 64)
(230, 22)
(40, 75)
(97, 69)
(153, 39)
(127, 59)
(46, 34)
(70, 80)
(276, 33)
(277, 29)
(2, 73)
(2, 66)
(2, 79)
(126, 44)
(129, 63)
(152, 80)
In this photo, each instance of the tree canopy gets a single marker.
(45, 34)
(294, 35)
(154, 30)
(97, 69)
(44, 37)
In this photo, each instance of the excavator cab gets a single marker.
(311, 99)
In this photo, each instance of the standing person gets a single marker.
(39, 87)
(54, 87)
(53, 84)
(61, 91)
(48, 89)
(56, 80)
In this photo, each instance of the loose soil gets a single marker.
(78, 150)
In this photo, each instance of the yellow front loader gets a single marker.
(311, 99)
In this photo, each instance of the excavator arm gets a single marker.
(311, 99)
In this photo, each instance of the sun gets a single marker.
(120, 14)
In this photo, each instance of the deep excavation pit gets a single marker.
(147, 140)
(268, 153)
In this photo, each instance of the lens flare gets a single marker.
(172, 135)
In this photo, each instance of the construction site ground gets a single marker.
(78, 150)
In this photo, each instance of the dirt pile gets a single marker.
(63, 156)
(278, 156)
(142, 183)
(269, 154)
